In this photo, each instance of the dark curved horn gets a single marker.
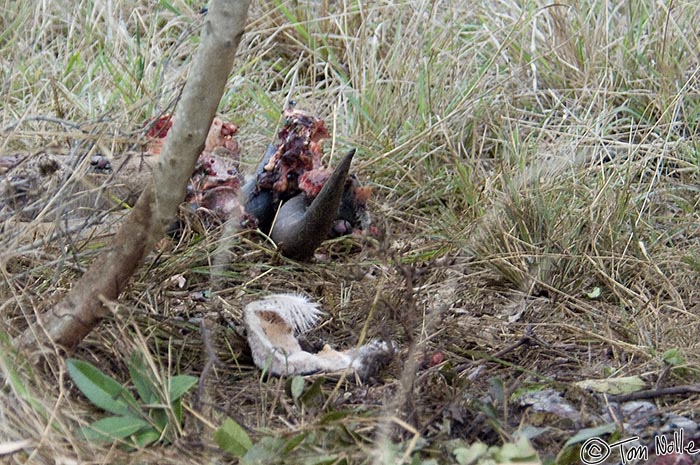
(260, 203)
(299, 228)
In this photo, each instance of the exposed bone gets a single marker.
(274, 322)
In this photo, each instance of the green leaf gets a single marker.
(102, 390)
(113, 428)
(177, 410)
(613, 386)
(673, 357)
(568, 456)
(139, 376)
(527, 389)
(469, 455)
(160, 418)
(232, 438)
(531, 432)
(292, 443)
(297, 387)
(146, 437)
(594, 294)
(267, 450)
(496, 389)
(179, 385)
(520, 451)
(314, 394)
(588, 433)
(335, 416)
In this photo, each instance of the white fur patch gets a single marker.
(273, 323)
(298, 311)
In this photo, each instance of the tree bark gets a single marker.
(67, 323)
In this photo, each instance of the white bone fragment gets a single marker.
(274, 322)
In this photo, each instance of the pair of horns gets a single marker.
(300, 226)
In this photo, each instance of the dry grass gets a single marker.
(523, 155)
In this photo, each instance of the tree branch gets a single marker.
(81, 310)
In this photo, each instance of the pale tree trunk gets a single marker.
(67, 323)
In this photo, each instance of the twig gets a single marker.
(59, 233)
(212, 359)
(657, 392)
(527, 339)
(68, 322)
(48, 119)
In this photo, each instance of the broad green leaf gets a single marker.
(102, 390)
(520, 451)
(531, 432)
(297, 387)
(146, 437)
(568, 456)
(142, 382)
(527, 389)
(159, 417)
(113, 428)
(314, 393)
(267, 450)
(292, 443)
(588, 433)
(179, 385)
(469, 455)
(232, 438)
(177, 410)
(496, 389)
(673, 357)
(335, 416)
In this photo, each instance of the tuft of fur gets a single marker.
(296, 310)
(272, 324)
